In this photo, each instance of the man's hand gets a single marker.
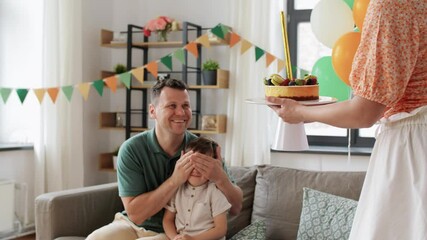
(183, 168)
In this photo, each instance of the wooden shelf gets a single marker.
(106, 162)
(108, 120)
(222, 77)
(107, 37)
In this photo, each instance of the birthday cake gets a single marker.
(298, 89)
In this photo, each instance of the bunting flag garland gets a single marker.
(152, 67)
(167, 61)
(258, 53)
(234, 38)
(138, 73)
(269, 59)
(192, 48)
(22, 94)
(39, 92)
(180, 55)
(53, 93)
(5, 93)
(245, 46)
(84, 89)
(99, 86)
(221, 31)
(125, 78)
(204, 40)
(68, 92)
(111, 82)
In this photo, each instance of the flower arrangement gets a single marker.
(162, 25)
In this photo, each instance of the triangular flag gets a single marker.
(5, 93)
(111, 82)
(125, 78)
(138, 73)
(22, 94)
(234, 38)
(152, 67)
(245, 46)
(99, 86)
(39, 92)
(68, 91)
(225, 29)
(180, 55)
(269, 58)
(53, 93)
(258, 53)
(217, 31)
(192, 48)
(167, 61)
(204, 40)
(84, 89)
(280, 65)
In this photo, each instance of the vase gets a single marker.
(162, 36)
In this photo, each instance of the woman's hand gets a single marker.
(287, 109)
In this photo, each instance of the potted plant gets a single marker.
(119, 68)
(209, 72)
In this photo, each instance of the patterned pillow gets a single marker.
(254, 231)
(325, 216)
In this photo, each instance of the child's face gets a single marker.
(196, 179)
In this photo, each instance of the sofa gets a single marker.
(270, 193)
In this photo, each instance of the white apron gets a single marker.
(393, 202)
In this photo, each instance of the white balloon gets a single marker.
(330, 19)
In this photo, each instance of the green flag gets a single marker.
(99, 86)
(258, 53)
(22, 94)
(68, 91)
(125, 78)
(5, 93)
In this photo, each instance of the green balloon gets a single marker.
(329, 83)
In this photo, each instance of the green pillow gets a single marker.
(325, 216)
(254, 231)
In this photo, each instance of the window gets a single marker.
(305, 51)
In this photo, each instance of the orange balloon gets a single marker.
(359, 11)
(343, 53)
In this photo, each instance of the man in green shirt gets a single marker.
(152, 165)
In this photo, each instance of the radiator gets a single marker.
(7, 205)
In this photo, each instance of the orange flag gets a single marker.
(152, 67)
(204, 40)
(234, 38)
(138, 73)
(53, 93)
(111, 82)
(192, 48)
(245, 46)
(269, 59)
(39, 94)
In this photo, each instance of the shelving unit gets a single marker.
(108, 119)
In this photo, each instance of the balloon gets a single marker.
(330, 19)
(359, 12)
(329, 82)
(343, 53)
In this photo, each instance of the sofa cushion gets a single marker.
(325, 216)
(255, 231)
(244, 177)
(279, 193)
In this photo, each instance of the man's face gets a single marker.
(172, 111)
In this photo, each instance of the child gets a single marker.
(198, 210)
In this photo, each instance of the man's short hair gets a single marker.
(169, 82)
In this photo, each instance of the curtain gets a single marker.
(58, 147)
(250, 127)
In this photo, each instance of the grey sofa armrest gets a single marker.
(76, 212)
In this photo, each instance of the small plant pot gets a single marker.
(209, 77)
